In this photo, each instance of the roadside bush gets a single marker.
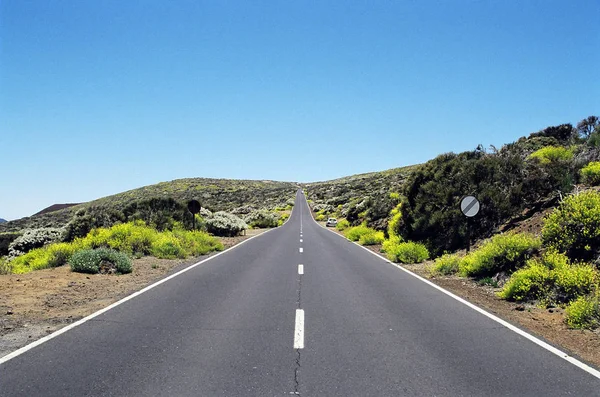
(131, 238)
(60, 253)
(551, 154)
(167, 246)
(342, 225)
(371, 238)
(446, 264)
(501, 253)
(390, 243)
(354, 233)
(284, 217)
(101, 260)
(533, 282)
(584, 312)
(552, 278)
(35, 238)
(590, 174)
(225, 224)
(35, 259)
(5, 240)
(320, 217)
(262, 219)
(574, 227)
(408, 252)
(197, 243)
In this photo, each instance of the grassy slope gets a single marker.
(214, 194)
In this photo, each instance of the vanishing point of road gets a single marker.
(295, 311)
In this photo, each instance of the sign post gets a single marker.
(194, 207)
(469, 206)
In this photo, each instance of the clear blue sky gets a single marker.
(98, 97)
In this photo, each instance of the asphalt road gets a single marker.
(232, 326)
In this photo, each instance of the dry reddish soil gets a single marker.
(545, 323)
(38, 303)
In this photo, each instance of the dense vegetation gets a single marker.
(163, 204)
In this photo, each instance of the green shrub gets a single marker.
(389, 244)
(584, 312)
(102, 260)
(60, 253)
(35, 259)
(502, 253)
(371, 238)
(446, 264)
(284, 217)
(354, 233)
(167, 246)
(197, 243)
(131, 238)
(225, 224)
(262, 219)
(532, 282)
(395, 221)
(552, 278)
(408, 252)
(590, 174)
(574, 227)
(342, 225)
(551, 154)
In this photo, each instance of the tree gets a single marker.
(586, 126)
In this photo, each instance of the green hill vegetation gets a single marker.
(418, 213)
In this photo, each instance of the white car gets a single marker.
(331, 222)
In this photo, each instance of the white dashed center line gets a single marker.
(299, 331)
(300, 269)
(301, 249)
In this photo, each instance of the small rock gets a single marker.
(9, 312)
(550, 311)
(520, 308)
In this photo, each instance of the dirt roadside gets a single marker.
(547, 324)
(36, 304)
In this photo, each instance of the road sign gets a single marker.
(194, 206)
(469, 206)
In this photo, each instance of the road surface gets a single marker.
(252, 322)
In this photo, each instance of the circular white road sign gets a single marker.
(469, 206)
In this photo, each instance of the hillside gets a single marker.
(214, 194)
(3, 220)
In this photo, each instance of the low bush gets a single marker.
(501, 253)
(225, 224)
(584, 312)
(101, 260)
(574, 226)
(390, 243)
(551, 154)
(371, 238)
(590, 174)
(34, 238)
(354, 233)
(320, 217)
(342, 225)
(284, 217)
(446, 264)
(262, 219)
(35, 259)
(5, 267)
(167, 246)
(131, 238)
(197, 243)
(551, 279)
(407, 252)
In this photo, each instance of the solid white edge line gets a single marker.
(592, 371)
(300, 269)
(53, 335)
(299, 330)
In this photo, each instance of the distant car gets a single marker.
(331, 222)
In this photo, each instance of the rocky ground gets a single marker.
(38, 303)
